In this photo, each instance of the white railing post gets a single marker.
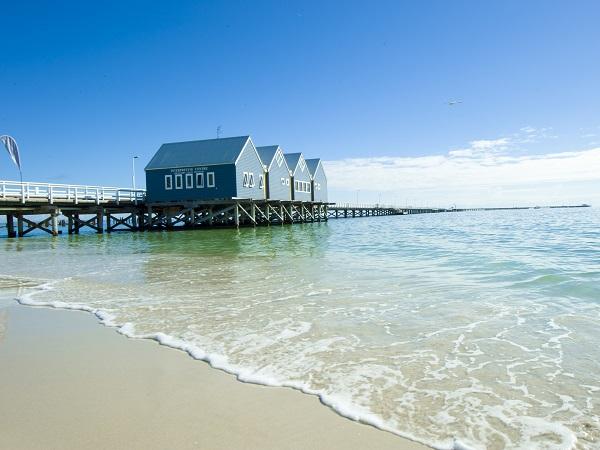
(97, 196)
(3, 189)
(76, 199)
(51, 194)
(118, 196)
(22, 193)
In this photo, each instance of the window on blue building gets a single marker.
(210, 179)
(179, 181)
(168, 182)
(302, 186)
(199, 180)
(189, 180)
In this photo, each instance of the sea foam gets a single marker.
(433, 331)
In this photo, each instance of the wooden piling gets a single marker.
(20, 224)
(100, 221)
(54, 222)
(70, 223)
(10, 226)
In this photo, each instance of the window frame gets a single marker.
(199, 180)
(245, 180)
(178, 181)
(261, 181)
(251, 182)
(189, 177)
(168, 182)
(210, 179)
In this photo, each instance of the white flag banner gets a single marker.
(12, 148)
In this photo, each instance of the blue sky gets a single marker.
(85, 86)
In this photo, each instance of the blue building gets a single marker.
(211, 169)
(318, 180)
(277, 173)
(301, 182)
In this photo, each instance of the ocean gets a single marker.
(459, 330)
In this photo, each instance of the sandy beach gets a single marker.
(69, 383)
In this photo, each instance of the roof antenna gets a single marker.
(218, 131)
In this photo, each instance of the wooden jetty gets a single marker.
(38, 206)
(348, 210)
(41, 206)
(231, 213)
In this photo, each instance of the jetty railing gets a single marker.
(366, 205)
(15, 191)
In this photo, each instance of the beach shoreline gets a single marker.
(69, 383)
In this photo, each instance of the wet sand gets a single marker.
(67, 382)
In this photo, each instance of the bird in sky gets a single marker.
(454, 102)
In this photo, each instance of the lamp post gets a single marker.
(133, 178)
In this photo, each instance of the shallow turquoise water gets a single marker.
(477, 329)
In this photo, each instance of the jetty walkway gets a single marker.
(51, 207)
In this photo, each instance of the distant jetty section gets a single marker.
(49, 207)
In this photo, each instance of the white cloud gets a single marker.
(528, 130)
(486, 173)
(482, 147)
